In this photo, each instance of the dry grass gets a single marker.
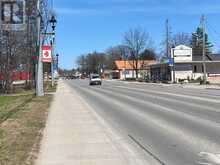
(10, 104)
(22, 129)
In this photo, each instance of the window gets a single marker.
(12, 12)
(195, 69)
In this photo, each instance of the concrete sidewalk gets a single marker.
(187, 85)
(76, 135)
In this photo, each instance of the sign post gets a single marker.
(47, 57)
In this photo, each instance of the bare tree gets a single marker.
(136, 40)
(91, 62)
(119, 52)
(11, 57)
(18, 47)
(181, 39)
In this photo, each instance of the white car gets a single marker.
(95, 79)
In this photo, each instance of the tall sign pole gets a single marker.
(204, 50)
(39, 75)
(167, 39)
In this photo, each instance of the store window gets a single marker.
(195, 69)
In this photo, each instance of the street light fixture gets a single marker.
(57, 55)
(53, 22)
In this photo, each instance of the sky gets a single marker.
(95, 25)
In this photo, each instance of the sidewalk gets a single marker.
(198, 86)
(76, 135)
(189, 85)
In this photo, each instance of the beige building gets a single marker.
(187, 66)
(126, 69)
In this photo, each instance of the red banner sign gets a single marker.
(46, 54)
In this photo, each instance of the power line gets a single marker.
(52, 5)
(213, 29)
(213, 36)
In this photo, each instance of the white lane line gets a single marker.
(173, 94)
(185, 115)
(208, 158)
(178, 131)
(181, 102)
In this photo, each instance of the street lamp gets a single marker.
(57, 62)
(39, 75)
(57, 55)
(53, 22)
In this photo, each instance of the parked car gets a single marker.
(95, 79)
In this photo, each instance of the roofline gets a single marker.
(192, 62)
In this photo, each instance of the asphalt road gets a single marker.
(176, 126)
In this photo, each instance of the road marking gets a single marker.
(168, 109)
(178, 101)
(206, 158)
(146, 150)
(173, 94)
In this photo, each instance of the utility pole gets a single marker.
(168, 52)
(204, 49)
(167, 39)
(39, 75)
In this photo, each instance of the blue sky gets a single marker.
(94, 25)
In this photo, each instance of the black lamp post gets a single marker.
(53, 22)
(57, 61)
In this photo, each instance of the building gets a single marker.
(185, 66)
(111, 74)
(127, 69)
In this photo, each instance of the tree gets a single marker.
(18, 47)
(197, 42)
(136, 40)
(82, 62)
(181, 39)
(120, 52)
(91, 62)
(148, 54)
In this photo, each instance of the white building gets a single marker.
(187, 66)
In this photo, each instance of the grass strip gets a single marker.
(21, 131)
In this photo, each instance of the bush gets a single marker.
(202, 82)
(140, 80)
(198, 80)
(130, 79)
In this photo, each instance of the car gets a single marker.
(95, 79)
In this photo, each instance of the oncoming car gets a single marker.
(95, 79)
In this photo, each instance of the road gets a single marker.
(174, 125)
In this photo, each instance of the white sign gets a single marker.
(46, 54)
(12, 14)
(182, 53)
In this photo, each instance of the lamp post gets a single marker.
(53, 22)
(39, 75)
(57, 55)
